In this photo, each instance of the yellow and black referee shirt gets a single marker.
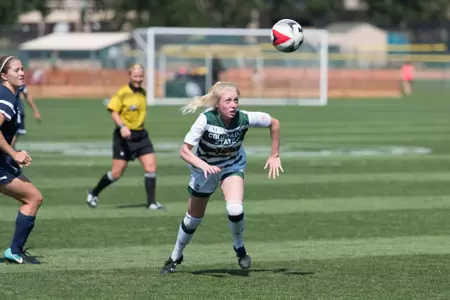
(131, 105)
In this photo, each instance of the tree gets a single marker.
(320, 9)
(391, 13)
(186, 13)
(9, 11)
(306, 12)
(230, 13)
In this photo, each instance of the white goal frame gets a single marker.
(148, 47)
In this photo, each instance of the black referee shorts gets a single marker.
(129, 149)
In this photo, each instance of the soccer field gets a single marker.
(361, 212)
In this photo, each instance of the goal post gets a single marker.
(182, 63)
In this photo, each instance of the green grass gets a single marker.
(360, 213)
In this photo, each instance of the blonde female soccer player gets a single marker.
(128, 110)
(12, 182)
(218, 134)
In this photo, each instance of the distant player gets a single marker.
(128, 110)
(27, 96)
(407, 77)
(12, 181)
(220, 160)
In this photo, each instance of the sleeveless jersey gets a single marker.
(221, 145)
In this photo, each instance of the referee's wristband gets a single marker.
(122, 125)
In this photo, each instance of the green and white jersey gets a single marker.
(220, 145)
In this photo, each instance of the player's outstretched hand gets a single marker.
(37, 116)
(22, 158)
(274, 164)
(210, 170)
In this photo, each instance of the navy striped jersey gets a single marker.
(9, 109)
(221, 145)
(22, 89)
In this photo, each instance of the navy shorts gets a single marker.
(8, 172)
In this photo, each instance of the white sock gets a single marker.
(237, 231)
(185, 233)
(236, 221)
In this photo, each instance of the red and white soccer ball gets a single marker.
(287, 35)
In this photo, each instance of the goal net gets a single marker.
(182, 63)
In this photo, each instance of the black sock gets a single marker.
(24, 225)
(150, 187)
(106, 180)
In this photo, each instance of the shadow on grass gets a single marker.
(30, 260)
(245, 273)
(132, 206)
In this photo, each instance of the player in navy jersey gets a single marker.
(27, 97)
(220, 161)
(22, 90)
(12, 182)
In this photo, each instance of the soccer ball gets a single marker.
(287, 35)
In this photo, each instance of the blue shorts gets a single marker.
(8, 172)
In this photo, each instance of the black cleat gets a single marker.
(244, 259)
(170, 265)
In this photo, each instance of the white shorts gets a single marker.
(200, 186)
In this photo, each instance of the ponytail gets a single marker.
(198, 102)
(209, 100)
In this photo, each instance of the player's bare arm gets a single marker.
(33, 106)
(4, 146)
(124, 130)
(189, 157)
(274, 161)
(21, 157)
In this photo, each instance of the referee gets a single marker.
(128, 108)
